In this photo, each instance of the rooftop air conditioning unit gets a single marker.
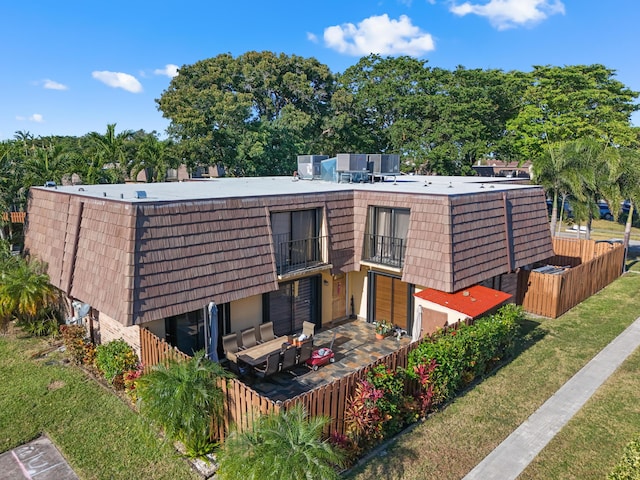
(351, 162)
(381, 163)
(309, 166)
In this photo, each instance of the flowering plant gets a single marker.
(383, 327)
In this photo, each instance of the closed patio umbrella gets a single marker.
(417, 325)
(212, 346)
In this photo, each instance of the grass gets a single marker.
(454, 440)
(98, 433)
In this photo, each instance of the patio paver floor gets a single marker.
(354, 347)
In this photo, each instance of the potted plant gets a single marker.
(383, 327)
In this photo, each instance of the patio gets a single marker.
(355, 346)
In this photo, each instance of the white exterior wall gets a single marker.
(452, 315)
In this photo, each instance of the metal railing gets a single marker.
(292, 255)
(384, 250)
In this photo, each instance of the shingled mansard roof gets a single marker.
(142, 252)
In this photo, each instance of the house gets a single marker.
(280, 249)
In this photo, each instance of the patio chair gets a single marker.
(230, 346)
(306, 349)
(266, 332)
(271, 367)
(289, 358)
(249, 337)
(308, 329)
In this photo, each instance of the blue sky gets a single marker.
(70, 67)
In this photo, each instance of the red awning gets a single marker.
(473, 301)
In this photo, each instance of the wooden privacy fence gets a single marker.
(242, 404)
(154, 350)
(594, 265)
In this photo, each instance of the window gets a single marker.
(296, 239)
(386, 237)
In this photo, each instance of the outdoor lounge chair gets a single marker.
(271, 367)
(289, 358)
(249, 337)
(266, 332)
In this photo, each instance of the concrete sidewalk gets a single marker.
(513, 455)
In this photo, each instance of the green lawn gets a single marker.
(454, 440)
(98, 433)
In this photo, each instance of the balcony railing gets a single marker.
(294, 255)
(387, 251)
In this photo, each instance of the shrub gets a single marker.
(470, 351)
(131, 381)
(363, 417)
(113, 359)
(629, 466)
(183, 397)
(394, 406)
(281, 446)
(73, 337)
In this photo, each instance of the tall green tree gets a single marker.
(569, 103)
(281, 446)
(253, 113)
(108, 160)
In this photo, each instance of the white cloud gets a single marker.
(170, 70)
(504, 14)
(36, 117)
(381, 35)
(118, 80)
(53, 85)
(312, 37)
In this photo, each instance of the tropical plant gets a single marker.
(183, 397)
(115, 358)
(74, 339)
(25, 293)
(280, 446)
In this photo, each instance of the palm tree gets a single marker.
(281, 446)
(109, 152)
(561, 172)
(25, 291)
(182, 397)
(153, 155)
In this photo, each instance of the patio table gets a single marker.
(258, 354)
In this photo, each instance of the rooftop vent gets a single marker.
(50, 184)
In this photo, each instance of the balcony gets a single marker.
(388, 251)
(299, 255)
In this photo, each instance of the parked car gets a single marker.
(605, 213)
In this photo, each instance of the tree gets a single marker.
(108, 159)
(25, 291)
(280, 446)
(182, 397)
(569, 103)
(253, 113)
(154, 156)
(561, 173)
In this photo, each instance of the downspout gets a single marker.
(506, 233)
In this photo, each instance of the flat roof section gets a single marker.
(204, 189)
(472, 301)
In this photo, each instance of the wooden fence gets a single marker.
(242, 404)
(14, 217)
(594, 265)
(154, 350)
